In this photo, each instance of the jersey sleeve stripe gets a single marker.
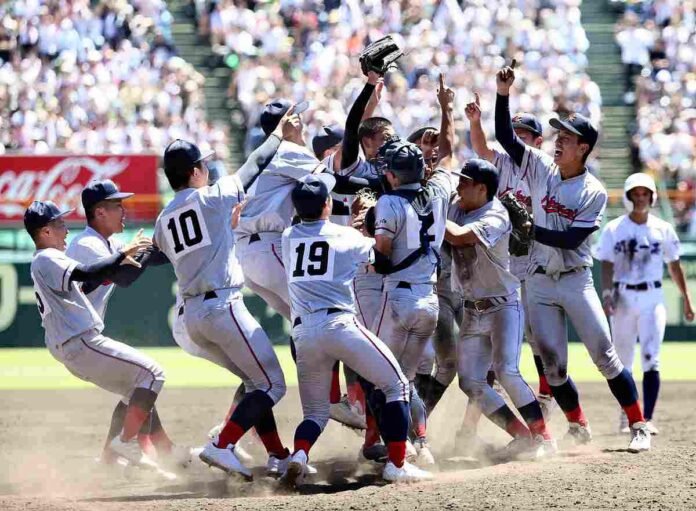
(65, 282)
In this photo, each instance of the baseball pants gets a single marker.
(109, 364)
(550, 301)
(320, 340)
(444, 340)
(639, 315)
(527, 325)
(261, 259)
(367, 288)
(219, 322)
(492, 339)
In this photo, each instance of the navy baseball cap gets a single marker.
(274, 111)
(527, 122)
(416, 136)
(39, 214)
(579, 125)
(101, 190)
(180, 156)
(328, 137)
(480, 171)
(310, 193)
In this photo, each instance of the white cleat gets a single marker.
(578, 433)
(623, 428)
(425, 456)
(242, 454)
(344, 413)
(640, 438)
(407, 473)
(548, 405)
(276, 467)
(522, 449)
(131, 451)
(652, 428)
(215, 431)
(295, 471)
(224, 459)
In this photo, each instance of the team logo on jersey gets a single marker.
(632, 247)
(551, 205)
(519, 195)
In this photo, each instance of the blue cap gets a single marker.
(310, 194)
(480, 171)
(527, 122)
(274, 111)
(99, 191)
(579, 125)
(180, 156)
(39, 214)
(328, 137)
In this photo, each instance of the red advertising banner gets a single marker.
(61, 178)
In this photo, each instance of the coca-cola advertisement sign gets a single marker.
(61, 178)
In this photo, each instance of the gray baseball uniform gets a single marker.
(559, 281)
(194, 232)
(267, 213)
(321, 260)
(491, 332)
(73, 331)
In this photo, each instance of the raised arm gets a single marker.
(478, 138)
(504, 132)
(445, 97)
(351, 142)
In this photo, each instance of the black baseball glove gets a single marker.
(379, 55)
(522, 225)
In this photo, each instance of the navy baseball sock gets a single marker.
(306, 435)
(437, 390)
(624, 389)
(244, 417)
(418, 414)
(531, 413)
(268, 433)
(651, 388)
(504, 418)
(116, 422)
(394, 427)
(422, 383)
(568, 400)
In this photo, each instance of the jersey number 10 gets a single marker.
(190, 229)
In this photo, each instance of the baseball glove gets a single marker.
(362, 211)
(522, 222)
(379, 55)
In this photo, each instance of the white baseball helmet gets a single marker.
(634, 181)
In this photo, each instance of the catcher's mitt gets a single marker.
(522, 222)
(379, 55)
(362, 211)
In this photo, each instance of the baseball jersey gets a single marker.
(65, 310)
(510, 180)
(90, 246)
(482, 270)
(269, 208)
(396, 219)
(195, 234)
(638, 251)
(321, 260)
(560, 204)
(343, 202)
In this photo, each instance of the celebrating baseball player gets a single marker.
(568, 204)
(321, 259)
(490, 336)
(194, 232)
(74, 327)
(633, 249)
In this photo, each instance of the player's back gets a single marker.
(321, 260)
(195, 234)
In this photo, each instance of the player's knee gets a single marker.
(505, 370)
(556, 374)
(650, 362)
(277, 390)
(472, 387)
(609, 364)
(398, 390)
(445, 374)
(151, 378)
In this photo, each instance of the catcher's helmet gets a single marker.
(634, 181)
(403, 159)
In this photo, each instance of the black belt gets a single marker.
(542, 271)
(254, 237)
(330, 310)
(181, 311)
(403, 285)
(210, 295)
(484, 304)
(643, 286)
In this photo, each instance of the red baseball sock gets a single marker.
(147, 446)
(576, 415)
(302, 445)
(230, 434)
(544, 387)
(335, 395)
(273, 444)
(397, 452)
(162, 442)
(538, 427)
(372, 431)
(516, 428)
(634, 413)
(132, 422)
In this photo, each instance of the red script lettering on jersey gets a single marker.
(551, 205)
(524, 199)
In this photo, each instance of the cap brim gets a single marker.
(523, 126)
(460, 174)
(61, 214)
(563, 125)
(119, 195)
(205, 156)
(300, 107)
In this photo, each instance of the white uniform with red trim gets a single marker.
(321, 260)
(194, 233)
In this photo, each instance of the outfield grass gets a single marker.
(34, 368)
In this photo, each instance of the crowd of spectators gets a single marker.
(308, 50)
(96, 76)
(663, 88)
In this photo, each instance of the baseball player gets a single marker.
(568, 205)
(321, 259)
(105, 212)
(528, 128)
(194, 233)
(490, 336)
(74, 328)
(633, 249)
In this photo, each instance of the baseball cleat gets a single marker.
(344, 413)
(548, 405)
(276, 467)
(425, 456)
(522, 449)
(376, 453)
(131, 451)
(296, 470)
(468, 443)
(578, 433)
(623, 428)
(407, 473)
(640, 437)
(224, 459)
(652, 428)
(215, 430)
(411, 453)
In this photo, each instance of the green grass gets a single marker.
(34, 368)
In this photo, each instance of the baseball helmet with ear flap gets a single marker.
(639, 179)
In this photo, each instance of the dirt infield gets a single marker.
(49, 440)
